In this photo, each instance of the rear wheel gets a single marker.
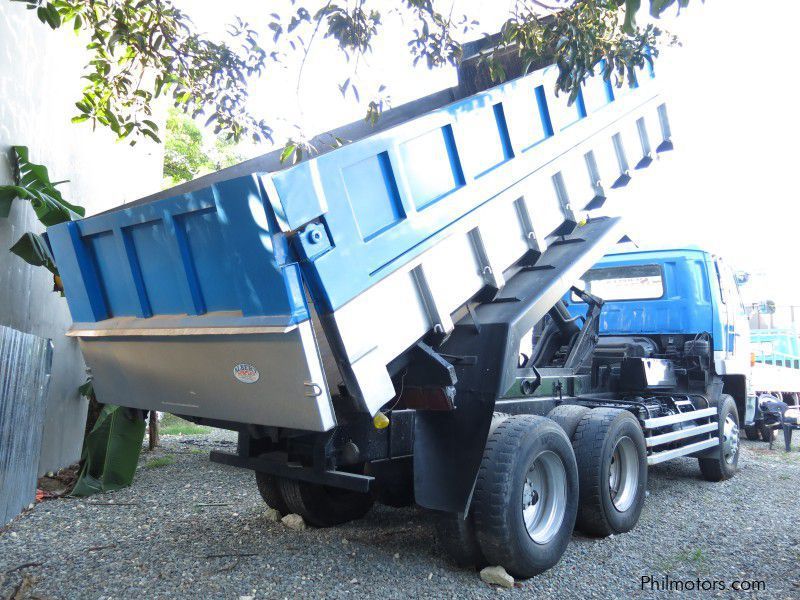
(525, 495)
(568, 416)
(270, 492)
(322, 505)
(612, 464)
(723, 464)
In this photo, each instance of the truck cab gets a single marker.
(672, 303)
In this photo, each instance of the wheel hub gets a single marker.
(623, 474)
(544, 497)
(730, 439)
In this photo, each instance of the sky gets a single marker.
(731, 186)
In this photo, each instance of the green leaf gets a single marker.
(287, 152)
(87, 389)
(32, 248)
(53, 17)
(33, 183)
(631, 8)
(110, 452)
(151, 135)
(659, 6)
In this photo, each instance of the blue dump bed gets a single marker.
(253, 294)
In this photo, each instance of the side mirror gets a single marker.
(767, 307)
(741, 277)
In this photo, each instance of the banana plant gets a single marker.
(32, 183)
(111, 449)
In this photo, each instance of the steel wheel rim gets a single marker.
(730, 439)
(544, 497)
(623, 474)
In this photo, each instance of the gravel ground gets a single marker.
(190, 528)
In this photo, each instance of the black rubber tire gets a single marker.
(767, 433)
(270, 491)
(324, 506)
(752, 432)
(716, 468)
(457, 538)
(568, 416)
(595, 439)
(499, 522)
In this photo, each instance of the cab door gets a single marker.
(735, 326)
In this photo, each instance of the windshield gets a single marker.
(629, 282)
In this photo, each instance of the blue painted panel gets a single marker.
(258, 252)
(216, 249)
(484, 140)
(597, 93)
(372, 191)
(525, 107)
(432, 166)
(207, 247)
(78, 274)
(564, 114)
(151, 246)
(109, 264)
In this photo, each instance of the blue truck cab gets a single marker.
(674, 301)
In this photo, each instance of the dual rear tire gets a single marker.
(539, 477)
(611, 454)
(526, 495)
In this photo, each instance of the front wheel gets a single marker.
(526, 495)
(724, 462)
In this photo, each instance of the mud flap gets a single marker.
(448, 447)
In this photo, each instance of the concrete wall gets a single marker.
(40, 72)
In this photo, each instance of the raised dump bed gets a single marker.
(257, 294)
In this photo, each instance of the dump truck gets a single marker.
(361, 319)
